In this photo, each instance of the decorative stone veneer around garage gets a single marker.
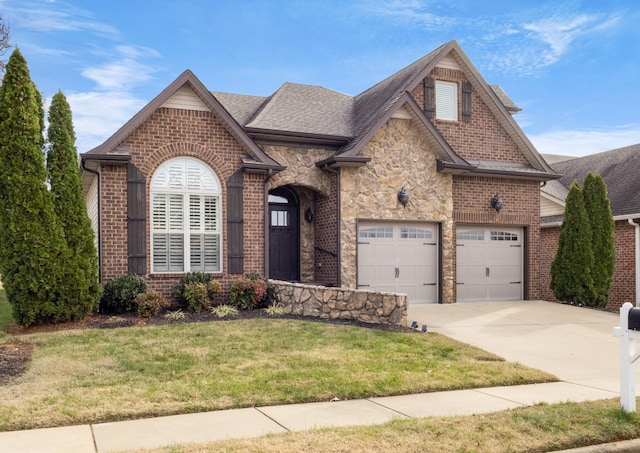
(340, 303)
(400, 156)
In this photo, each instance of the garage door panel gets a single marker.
(489, 263)
(399, 257)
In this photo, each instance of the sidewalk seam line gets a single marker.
(93, 437)
(389, 408)
(273, 420)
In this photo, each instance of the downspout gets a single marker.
(94, 172)
(338, 221)
(637, 260)
(266, 222)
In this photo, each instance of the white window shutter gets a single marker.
(446, 100)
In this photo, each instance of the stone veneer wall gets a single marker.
(316, 190)
(341, 303)
(400, 156)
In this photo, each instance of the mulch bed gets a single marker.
(15, 354)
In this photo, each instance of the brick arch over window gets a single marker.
(222, 167)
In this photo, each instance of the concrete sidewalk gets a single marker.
(260, 421)
(575, 344)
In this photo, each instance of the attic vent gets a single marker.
(448, 63)
(186, 99)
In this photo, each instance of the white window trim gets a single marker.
(207, 177)
(446, 100)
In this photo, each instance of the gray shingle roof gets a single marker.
(242, 107)
(306, 109)
(620, 169)
(505, 99)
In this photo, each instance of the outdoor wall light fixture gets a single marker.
(308, 215)
(497, 203)
(403, 197)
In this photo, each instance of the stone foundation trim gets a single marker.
(323, 302)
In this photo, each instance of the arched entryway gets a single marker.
(284, 234)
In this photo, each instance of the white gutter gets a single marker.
(637, 227)
(615, 219)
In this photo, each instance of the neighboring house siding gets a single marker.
(549, 208)
(472, 205)
(482, 138)
(172, 133)
(92, 209)
(623, 288)
(400, 156)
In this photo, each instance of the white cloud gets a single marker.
(54, 16)
(529, 46)
(406, 10)
(121, 74)
(98, 114)
(557, 33)
(585, 142)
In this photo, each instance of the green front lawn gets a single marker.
(97, 375)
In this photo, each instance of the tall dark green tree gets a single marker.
(598, 209)
(68, 202)
(571, 278)
(33, 253)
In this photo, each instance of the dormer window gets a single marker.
(446, 100)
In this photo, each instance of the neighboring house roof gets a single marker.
(505, 99)
(555, 158)
(619, 168)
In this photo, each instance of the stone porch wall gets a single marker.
(341, 303)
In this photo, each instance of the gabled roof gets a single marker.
(111, 149)
(620, 169)
(372, 109)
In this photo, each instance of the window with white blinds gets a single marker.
(186, 221)
(446, 100)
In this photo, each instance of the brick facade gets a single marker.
(401, 152)
(623, 288)
(170, 133)
(482, 138)
(471, 205)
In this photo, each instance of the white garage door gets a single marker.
(489, 263)
(399, 258)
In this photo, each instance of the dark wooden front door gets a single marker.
(284, 232)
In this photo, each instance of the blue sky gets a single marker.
(573, 66)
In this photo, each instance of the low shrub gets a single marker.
(249, 293)
(199, 295)
(191, 277)
(119, 294)
(150, 303)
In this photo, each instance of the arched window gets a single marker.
(186, 229)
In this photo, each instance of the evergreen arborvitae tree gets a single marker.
(571, 278)
(69, 206)
(598, 209)
(33, 253)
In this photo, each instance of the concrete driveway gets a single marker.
(575, 344)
